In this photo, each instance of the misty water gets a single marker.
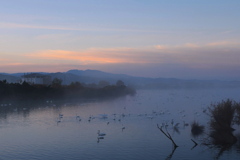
(69, 130)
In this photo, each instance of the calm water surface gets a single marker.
(55, 131)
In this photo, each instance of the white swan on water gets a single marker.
(101, 134)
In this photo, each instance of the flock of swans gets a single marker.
(161, 117)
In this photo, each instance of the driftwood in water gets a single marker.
(195, 144)
(168, 136)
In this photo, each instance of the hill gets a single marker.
(9, 78)
(95, 76)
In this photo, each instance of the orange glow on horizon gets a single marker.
(89, 56)
(189, 55)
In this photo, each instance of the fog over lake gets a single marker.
(119, 80)
(70, 130)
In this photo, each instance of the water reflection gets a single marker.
(33, 132)
(197, 129)
(169, 157)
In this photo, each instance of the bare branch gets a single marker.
(168, 136)
(195, 144)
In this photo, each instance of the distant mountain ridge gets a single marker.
(9, 78)
(95, 76)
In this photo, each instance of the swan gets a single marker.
(101, 134)
(100, 137)
(172, 122)
(59, 121)
(60, 115)
(77, 117)
(103, 116)
(185, 124)
(176, 125)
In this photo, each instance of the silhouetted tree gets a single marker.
(92, 85)
(120, 83)
(4, 81)
(29, 92)
(237, 118)
(56, 83)
(75, 85)
(102, 84)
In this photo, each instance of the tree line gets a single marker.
(55, 91)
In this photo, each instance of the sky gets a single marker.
(187, 39)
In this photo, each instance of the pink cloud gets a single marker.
(189, 56)
(93, 55)
(222, 43)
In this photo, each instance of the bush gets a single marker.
(197, 129)
(222, 116)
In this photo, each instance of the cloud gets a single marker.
(89, 56)
(161, 47)
(168, 60)
(30, 26)
(103, 56)
(3, 59)
(67, 28)
(223, 43)
(189, 54)
(53, 36)
(199, 46)
(191, 45)
(13, 64)
(215, 54)
(174, 48)
(8, 59)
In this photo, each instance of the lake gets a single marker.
(69, 131)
